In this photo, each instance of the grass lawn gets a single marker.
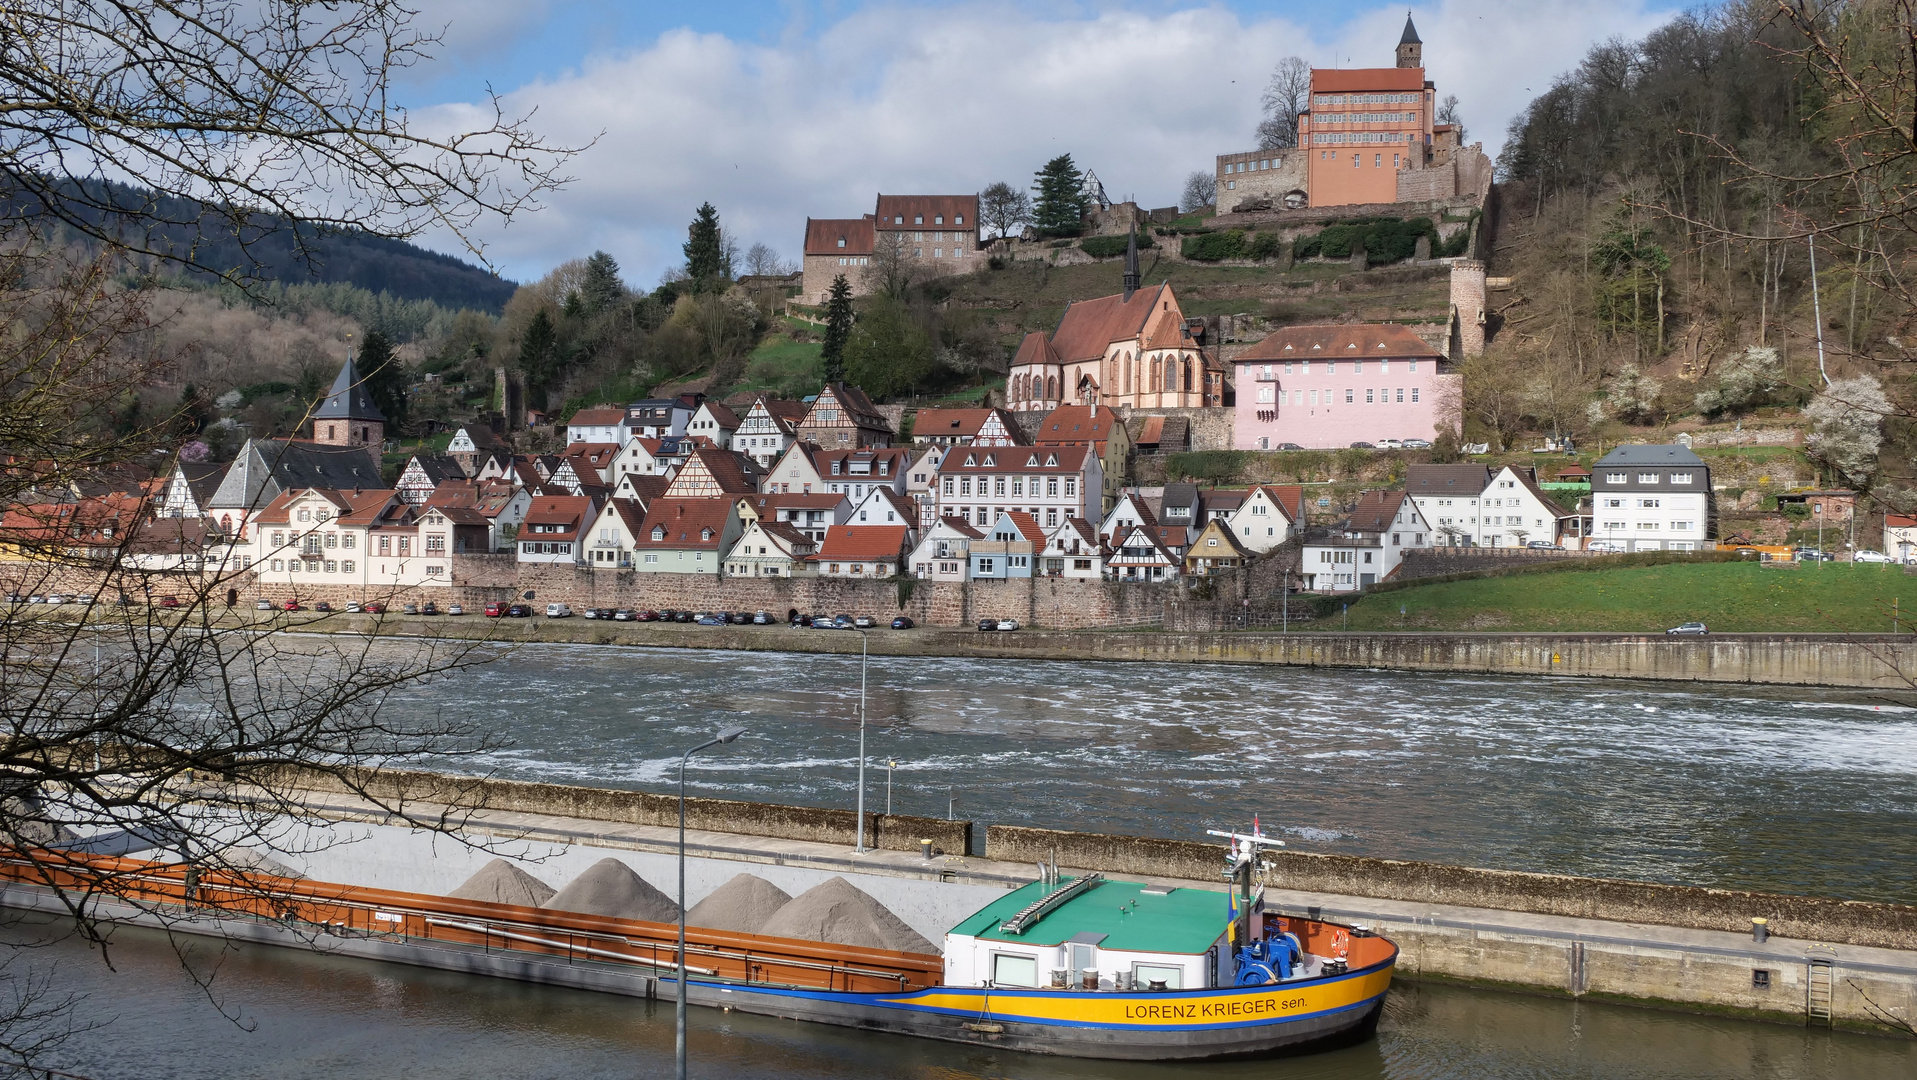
(783, 367)
(1729, 597)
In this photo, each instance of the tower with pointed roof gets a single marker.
(347, 415)
(1131, 262)
(1410, 48)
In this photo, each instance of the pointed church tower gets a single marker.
(1410, 48)
(1131, 262)
(348, 416)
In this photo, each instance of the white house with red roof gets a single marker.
(372, 539)
(883, 506)
(863, 551)
(768, 429)
(771, 549)
(1368, 547)
(710, 473)
(612, 536)
(1326, 387)
(811, 513)
(1900, 537)
(687, 536)
(715, 423)
(1138, 555)
(966, 427)
(554, 529)
(977, 484)
(1073, 550)
(944, 553)
(600, 424)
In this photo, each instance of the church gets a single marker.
(1133, 349)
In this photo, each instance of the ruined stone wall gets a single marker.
(1210, 427)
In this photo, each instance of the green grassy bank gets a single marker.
(1740, 597)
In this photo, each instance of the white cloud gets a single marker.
(947, 100)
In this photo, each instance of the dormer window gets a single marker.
(918, 219)
(658, 532)
(938, 219)
(841, 241)
(705, 534)
(958, 219)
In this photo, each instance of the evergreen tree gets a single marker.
(385, 377)
(195, 411)
(1060, 206)
(838, 330)
(539, 356)
(706, 261)
(601, 288)
(890, 352)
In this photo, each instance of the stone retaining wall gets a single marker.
(1886, 926)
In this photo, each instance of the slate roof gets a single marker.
(1463, 480)
(267, 467)
(348, 399)
(1656, 454)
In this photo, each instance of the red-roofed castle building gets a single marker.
(921, 235)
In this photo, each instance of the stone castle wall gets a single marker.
(1210, 427)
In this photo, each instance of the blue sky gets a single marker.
(779, 109)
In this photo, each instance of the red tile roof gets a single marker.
(687, 523)
(1027, 525)
(822, 236)
(573, 511)
(1359, 341)
(862, 543)
(931, 208)
(1068, 458)
(1036, 348)
(1088, 326)
(1376, 511)
(959, 423)
(726, 418)
(1289, 497)
(962, 527)
(1900, 521)
(357, 507)
(1069, 424)
(1340, 80)
(597, 417)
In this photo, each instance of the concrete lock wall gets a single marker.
(897, 832)
(1851, 922)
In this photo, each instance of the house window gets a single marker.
(278, 564)
(348, 541)
(1614, 478)
(405, 545)
(652, 556)
(1647, 478)
(332, 567)
(985, 566)
(1369, 400)
(1680, 478)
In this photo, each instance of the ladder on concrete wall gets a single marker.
(1819, 989)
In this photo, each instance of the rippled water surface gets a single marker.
(298, 1016)
(1780, 790)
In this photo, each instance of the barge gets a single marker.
(1075, 966)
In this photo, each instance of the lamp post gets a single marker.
(725, 735)
(863, 656)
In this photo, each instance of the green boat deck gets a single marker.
(1132, 920)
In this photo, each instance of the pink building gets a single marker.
(1323, 387)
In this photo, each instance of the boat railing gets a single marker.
(1037, 909)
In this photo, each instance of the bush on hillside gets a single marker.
(1214, 247)
(1106, 247)
(1217, 466)
(1385, 240)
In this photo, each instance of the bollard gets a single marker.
(1760, 930)
(925, 848)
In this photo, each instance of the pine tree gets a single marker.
(384, 376)
(539, 356)
(1060, 207)
(838, 330)
(706, 261)
(601, 288)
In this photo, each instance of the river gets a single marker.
(1776, 789)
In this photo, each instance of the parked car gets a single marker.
(1601, 547)
(409, 609)
(650, 616)
(902, 623)
(865, 622)
(290, 605)
(1544, 544)
(558, 611)
(1362, 446)
(375, 608)
(712, 620)
(801, 619)
(739, 618)
(625, 614)
(1689, 628)
(604, 613)
(16, 598)
(1391, 444)
(429, 608)
(455, 609)
(87, 598)
(843, 622)
(682, 617)
(495, 609)
(1812, 555)
(263, 604)
(988, 624)
(589, 613)
(762, 618)
(519, 611)
(353, 607)
(1417, 444)
(323, 606)
(56, 598)
(1289, 446)
(1871, 557)
(1008, 624)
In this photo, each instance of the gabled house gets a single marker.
(768, 429)
(1448, 497)
(711, 473)
(445, 531)
(1009, 550)
(594, 461)
(1139, 555)
(883, 506)
(659, 418)
(921, 482)
(795, 473)
(423, 474)
(714, 423)
(1652, 498)
(1052, 483)
(1267, 517)
(1515, 511)
(473, 442)
(811, 514)
(863, 551)
(843, 418)
(945, 552)
(1073, 550)
(613, 536)
(189, 489)
(1214, 549)
(640, 488)
(1134, 348)
(1101, 428)
(966, 427)
(638, 457)
(324, 536)
(1900, 536)
(502, 505)
(1181, 507)
(265, 469)
(771, 549)
(859, 472)
(600, 424)
(1133, 511)
(1368, 547)
(554, 529)
(687, 536)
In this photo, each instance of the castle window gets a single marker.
(958, 219)
(938, 219)
(918, 219)
(841, 241)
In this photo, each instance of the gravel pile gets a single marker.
(839, 912)
(246, 860)
(610, 888)
(741, 905)
(500, 882)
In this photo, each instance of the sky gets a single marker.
(776, 110)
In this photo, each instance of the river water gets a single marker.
(1782, 790)
(277, 1014)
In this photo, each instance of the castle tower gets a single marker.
(348, 416)
(1131, 262)
(1467, 310)
(1410, 48)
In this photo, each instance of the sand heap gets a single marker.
(838, 912)
(609, 887)
(246, 860)
(742, 905)
(500, 882)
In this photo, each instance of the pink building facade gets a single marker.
(1325, 387)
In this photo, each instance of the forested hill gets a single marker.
(374, 263)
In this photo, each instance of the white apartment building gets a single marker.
(1651, 498)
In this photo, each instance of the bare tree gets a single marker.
(1004, 209)
(1201, 190)
(762, 260)
(1286, 95)
(1448, 114)
(895, 267)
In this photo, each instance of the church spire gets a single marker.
(1410, 46)
(1131, 262)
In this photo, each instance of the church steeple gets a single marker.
(1131, 262)
(1410, 47)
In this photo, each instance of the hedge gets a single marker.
(1385, 240)
(1105, 247)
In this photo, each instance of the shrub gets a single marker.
(1217, 466)
(1385, 240)
(1214, 247)
(1065, 243)
(1263, 246)
(1105, 247)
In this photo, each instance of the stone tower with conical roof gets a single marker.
(347, 415)
(1410, 48)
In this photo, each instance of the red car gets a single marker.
(169, 601)
(291, 605)
(374, 608)
(495, 609)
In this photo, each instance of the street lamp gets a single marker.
(863, 656)
(725, 735)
